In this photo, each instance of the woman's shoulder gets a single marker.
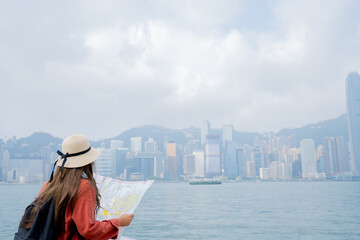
(85, 185)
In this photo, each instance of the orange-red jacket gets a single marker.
(83, 215)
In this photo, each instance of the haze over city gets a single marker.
(100, 68)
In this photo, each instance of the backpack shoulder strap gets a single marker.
(72, 234)
(74, 231)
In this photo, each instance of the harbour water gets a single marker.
(239, 210)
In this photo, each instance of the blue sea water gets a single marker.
(239, 210)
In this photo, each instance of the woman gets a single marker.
(76, 195)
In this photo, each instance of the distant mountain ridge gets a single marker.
(317, 131)
(30, 147)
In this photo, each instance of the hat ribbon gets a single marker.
(65, 156)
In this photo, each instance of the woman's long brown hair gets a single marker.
(63, 188)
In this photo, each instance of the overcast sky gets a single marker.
(101, 67)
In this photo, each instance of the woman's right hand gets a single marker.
(125, 220)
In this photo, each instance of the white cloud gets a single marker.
(176, 65)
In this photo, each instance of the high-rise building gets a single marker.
(330, 156)
(250, 169)
(159, 165)
(199, 163)
(231, 169)
(241, 162)
(150, 146)
(336, 156)
(284, 171)
(189, 164)
(45, 153)
(273, 170)
(171, 157)
(296, 169)
(320, 159)
(227, 133)
(132, 164)
(308, 159)
(5, 164)
(293, 155)
(105, 163)
(135, 144)
(119, 158)
(353, 118)
(212, 151)
(264, 173)
(205, 130)
(266, 151)
(257, 157)
(342, 154)
(284, 152)
(147, 163)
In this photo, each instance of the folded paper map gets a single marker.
(119, 197)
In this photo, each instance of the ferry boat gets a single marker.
(204, 181)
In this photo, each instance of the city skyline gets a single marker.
(268, 157)
(101, 68)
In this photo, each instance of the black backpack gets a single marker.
(42, 227)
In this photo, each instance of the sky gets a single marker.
(101, 67)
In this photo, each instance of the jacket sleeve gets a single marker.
(83, 216)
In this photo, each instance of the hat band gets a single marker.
(65, 156)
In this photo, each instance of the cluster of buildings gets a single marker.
(270, 157)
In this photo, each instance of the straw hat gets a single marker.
(77, 151)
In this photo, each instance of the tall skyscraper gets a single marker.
(308, 159)
(231, 169)
(205, 130)
(119, 158)
(199, 163)
(150, 146)
(212, 160)
(227, 134)
(135, 144)
(189, 164)
(5, 165)
(353, 118)
(330, 156)
(159, 165)
(250, 169)
(241, 162)
(45, 153)
(342, 154)
(320, 159)
(257, 157)
(105, 164)
(284, 171)
(171, 157)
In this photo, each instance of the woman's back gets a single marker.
(81, 218)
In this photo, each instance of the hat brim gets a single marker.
(81, 160)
